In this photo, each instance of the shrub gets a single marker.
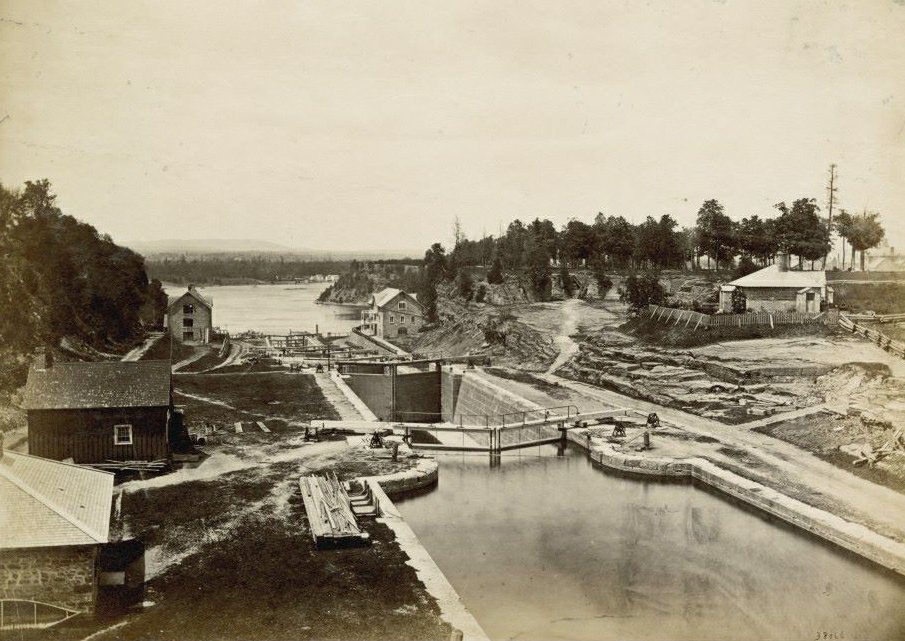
(641, 291)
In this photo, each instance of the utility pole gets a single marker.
(831, 189)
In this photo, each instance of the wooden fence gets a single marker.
(694, 320)
(877, 318)
(881, 339)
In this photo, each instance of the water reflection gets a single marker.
(542, 545)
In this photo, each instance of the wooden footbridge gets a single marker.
(500, 433)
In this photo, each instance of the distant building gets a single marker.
(190, 317)
(883, 258)
(777, 288)
(92, 412)
(392, 313)
(54, 521)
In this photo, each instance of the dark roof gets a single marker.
(194, 293)
(97, 385)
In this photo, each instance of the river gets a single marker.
(552, 547)
(275, 309)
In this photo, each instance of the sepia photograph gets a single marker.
(452, 321)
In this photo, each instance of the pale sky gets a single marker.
(373, 124)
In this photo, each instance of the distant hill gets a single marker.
(207, 248)
(204, 246)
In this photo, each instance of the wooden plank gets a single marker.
(238, 428)
(262, 427)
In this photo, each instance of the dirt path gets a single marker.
(191, 359)
(136, 353)
(563, 341)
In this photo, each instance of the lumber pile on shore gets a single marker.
(330, 515)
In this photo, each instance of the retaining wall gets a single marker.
(851, 536)
(479, 397)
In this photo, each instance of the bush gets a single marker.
(482, 293)
(641, 291)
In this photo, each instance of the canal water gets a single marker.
(552, 547)
(275, 309)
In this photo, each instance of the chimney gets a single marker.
(782, 259)
(191, 287)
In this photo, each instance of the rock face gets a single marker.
(726, 391)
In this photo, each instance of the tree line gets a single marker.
(216, 270)
(611, 242)
(60, 277)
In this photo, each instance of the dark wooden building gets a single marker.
(94, 412)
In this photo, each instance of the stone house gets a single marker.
(392, 313)
(94, 412)
(776, 288)
(190, 317)
(54, 520)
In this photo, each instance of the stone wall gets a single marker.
(480, 400)
(62, 576)
(450, 382)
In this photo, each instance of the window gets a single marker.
(403, 331)
(188, 336)
(188, 322)
(188, 309)
(402, 318)
(122, 434)
(401, 305)
(392, 319)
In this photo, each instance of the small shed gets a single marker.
(54, 520)
(95, 412)
(190, 316)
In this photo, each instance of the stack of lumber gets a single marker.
(330, 515)
(132, 466)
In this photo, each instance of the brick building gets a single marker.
(54, 520)
(392, 313)
(92, 412)
(190, 317)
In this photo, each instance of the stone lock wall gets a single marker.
(62, 576)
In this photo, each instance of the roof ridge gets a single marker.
(50, 503)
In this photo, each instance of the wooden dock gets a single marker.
(330, 515)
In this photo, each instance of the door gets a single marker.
(810, 303)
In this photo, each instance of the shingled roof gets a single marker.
(772, 276)
(98, 385)
(194, 293)
(386, 295)
(48, 503)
